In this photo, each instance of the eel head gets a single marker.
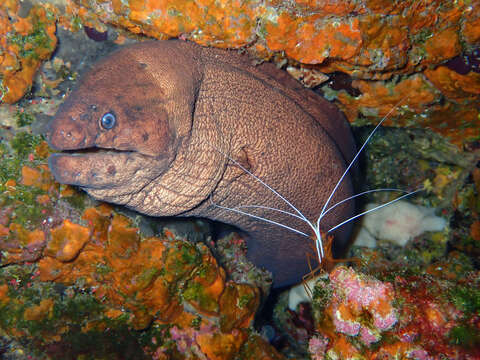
(121, 127)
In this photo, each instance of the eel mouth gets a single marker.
(96, 168)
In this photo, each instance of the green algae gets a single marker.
(244, 300)
(465, 335)
(196, 292)
(182, 258)
(322, 294)
(189, 256)
(466, 299)
(24, 143)
(30, 213)
(103, 269)
(79, 306)
(115, 343)
(23, 118)
(19, 152)
(25, 292)
(147, 277)
(15, 153)
(195, 323)
(79, 201)
(76, 316)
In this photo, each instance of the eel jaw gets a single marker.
(110, 173)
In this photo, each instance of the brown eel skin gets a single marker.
(162, 120)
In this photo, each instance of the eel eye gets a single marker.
(108, 120)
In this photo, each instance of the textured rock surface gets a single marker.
(423, 55)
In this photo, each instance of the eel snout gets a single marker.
(69, 137)
(122, 172)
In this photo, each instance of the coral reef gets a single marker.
(449, 178)
(414, 300)
(402, 55)
(436, 99)
(360, 37)
(78, 278)
(71, 272)
(359, 316)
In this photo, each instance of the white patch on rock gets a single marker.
(302, 292)
(398, 222)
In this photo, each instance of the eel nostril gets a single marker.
(70, 136)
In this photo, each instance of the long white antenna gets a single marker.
(325, 209)
(264, 184)
(354, 160)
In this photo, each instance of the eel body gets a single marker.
(163, 121)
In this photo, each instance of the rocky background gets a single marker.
(84, 280)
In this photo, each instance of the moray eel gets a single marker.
(162, 122)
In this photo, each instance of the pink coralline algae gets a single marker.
(356, 295)
(317, 347)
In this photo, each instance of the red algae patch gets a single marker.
(236, 305)
(357, 36)
(410, 317)
(332, 38)
(453, 85)
(382, 98)
(38, 177)
(218, 347)
(19, 244)
(356, 296)
(4, 294)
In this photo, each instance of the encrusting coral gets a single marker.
(25, 42)
(355, 295)
(172, 290)
(395, 52)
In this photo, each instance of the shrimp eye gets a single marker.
(108, 120)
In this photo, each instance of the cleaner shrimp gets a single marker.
(322, 239)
